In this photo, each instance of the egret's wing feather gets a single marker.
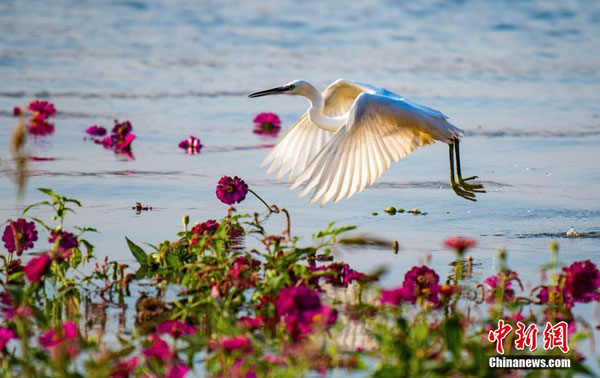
(298, 146)
(304, 140)
(380, 130)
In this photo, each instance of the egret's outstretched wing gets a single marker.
(298, 146)
(304, 140)
(380, 130)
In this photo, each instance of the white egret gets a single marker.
(351, 134)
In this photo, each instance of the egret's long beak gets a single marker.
(272, 91)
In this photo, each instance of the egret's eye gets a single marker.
(291, 87)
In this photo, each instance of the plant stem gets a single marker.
(261, 200)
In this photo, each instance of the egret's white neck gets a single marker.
(315, 112)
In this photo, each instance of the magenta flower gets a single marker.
(52, 338)
(61, 343)
(267, 124)
(231, 190)
(124, 144)
(340, 274)
(494, 286)
(159, 349)
(66, 241)
(250, 323)
(19, 236)
(393, 297)
(191, 145)
(120, 139)
(12, 310)
(41, 109)
(178, 371)
(37, 267)
(6, 334)
(421, 282)
(176, 328)
(124, 368)
(40, 127)
(302, 311)
(460, 244)
(210, 226)
(96, 130)
(17, 111)
(582, 280)
(242, 270)
(241, 342)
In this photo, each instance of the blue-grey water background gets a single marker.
(521, 78)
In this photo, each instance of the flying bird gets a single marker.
(351, 134)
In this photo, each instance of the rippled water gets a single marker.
(521, 78)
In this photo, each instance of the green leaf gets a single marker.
(173, 261)
(36, 204)
(137, 252)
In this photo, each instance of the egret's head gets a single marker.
(296, 87)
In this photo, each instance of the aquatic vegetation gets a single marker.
(191, 145)
(205, 304)
(267, 124)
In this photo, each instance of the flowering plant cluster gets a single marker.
(119, 140)
(41, 111)
(207, 304)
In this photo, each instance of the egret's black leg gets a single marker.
(457, 189)
(471, 187)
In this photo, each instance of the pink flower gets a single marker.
(231, 190)
(159, 349)
(241, 342)
(250, 323)
(191, 145)
(495, 287)
(214, 291)
(242, 270)
(275, 359)
(61, 343)
(264, 117)
(267, 124)
(66, 242)
(120, 139)
(178, 371)
(6, 334)
(460, 244)
(176, 328)
(41, 109)
(421, 282)
(393, 297)
(12, 310)
(37, 267)
(302, 311)
(209, 226)
(96, 130)
(124, 368)
(40, 127)
(238, 370)
(341, 274)
(582, 280)
(17, 111)
(19, 236)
